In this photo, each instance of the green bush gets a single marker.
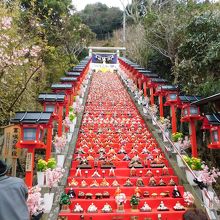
(51, 163)
(72, 116)
(176, 136)
(193, 163)
(41, 165)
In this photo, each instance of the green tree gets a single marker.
(101, 19)
(39, 40)
(200, 54)
(20, 63)
(62, 31)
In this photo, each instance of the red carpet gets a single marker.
(112, 122)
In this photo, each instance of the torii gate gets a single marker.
(104, 58)
(110, 49)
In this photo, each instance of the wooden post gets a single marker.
(151, 95)
(139, 83)
(29, 167)
(14, 166)
(60, 120)
(71, 98)
(145, 89)
(193, 138)
(161, 105)
(67, 106)
(173, 112)
(49, 141)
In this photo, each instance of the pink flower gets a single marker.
(54, 176)
(67, 122)
(78, 107)
(186, 143)
(60, 143)
(208, 176)
(34, 201)
(153, 109)
(6, 23)
(35, 50)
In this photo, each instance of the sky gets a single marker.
(80, 4)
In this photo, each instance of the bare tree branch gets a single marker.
(160, 50)
(23, 89)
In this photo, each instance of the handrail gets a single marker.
(175, 148)
(204, 189)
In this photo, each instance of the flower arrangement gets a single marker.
(53, 176)
(188, 198)
(146, 101)
(41, 165)
(153, 109)
(193, 163)
(72, 115)
(208, 176)
(186, 143)
(51, 163)
(164, 124)
(176, 136)
(140, 93)
(67, 122)
(120, 198)
(82, 89)
(78, 106)
(132, 86)
(34, 200)
(60, 143)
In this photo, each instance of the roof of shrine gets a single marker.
(51, 97)
(214, 119)
(62, 86)
(31, 117)
(189, 98)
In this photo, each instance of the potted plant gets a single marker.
(72, 118)
(153, 109)
(165, 125)
(60, 143)
(140, 97)
(196, 165)
(145, 105)
(67, 123)
(65, 201)
(177, 139)
(41, 167)
(51, 163)
(180, 160)
(208, 176)
(176, 136)
(134, 203)
(78, 108)
(35, 203)
(53, 176)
